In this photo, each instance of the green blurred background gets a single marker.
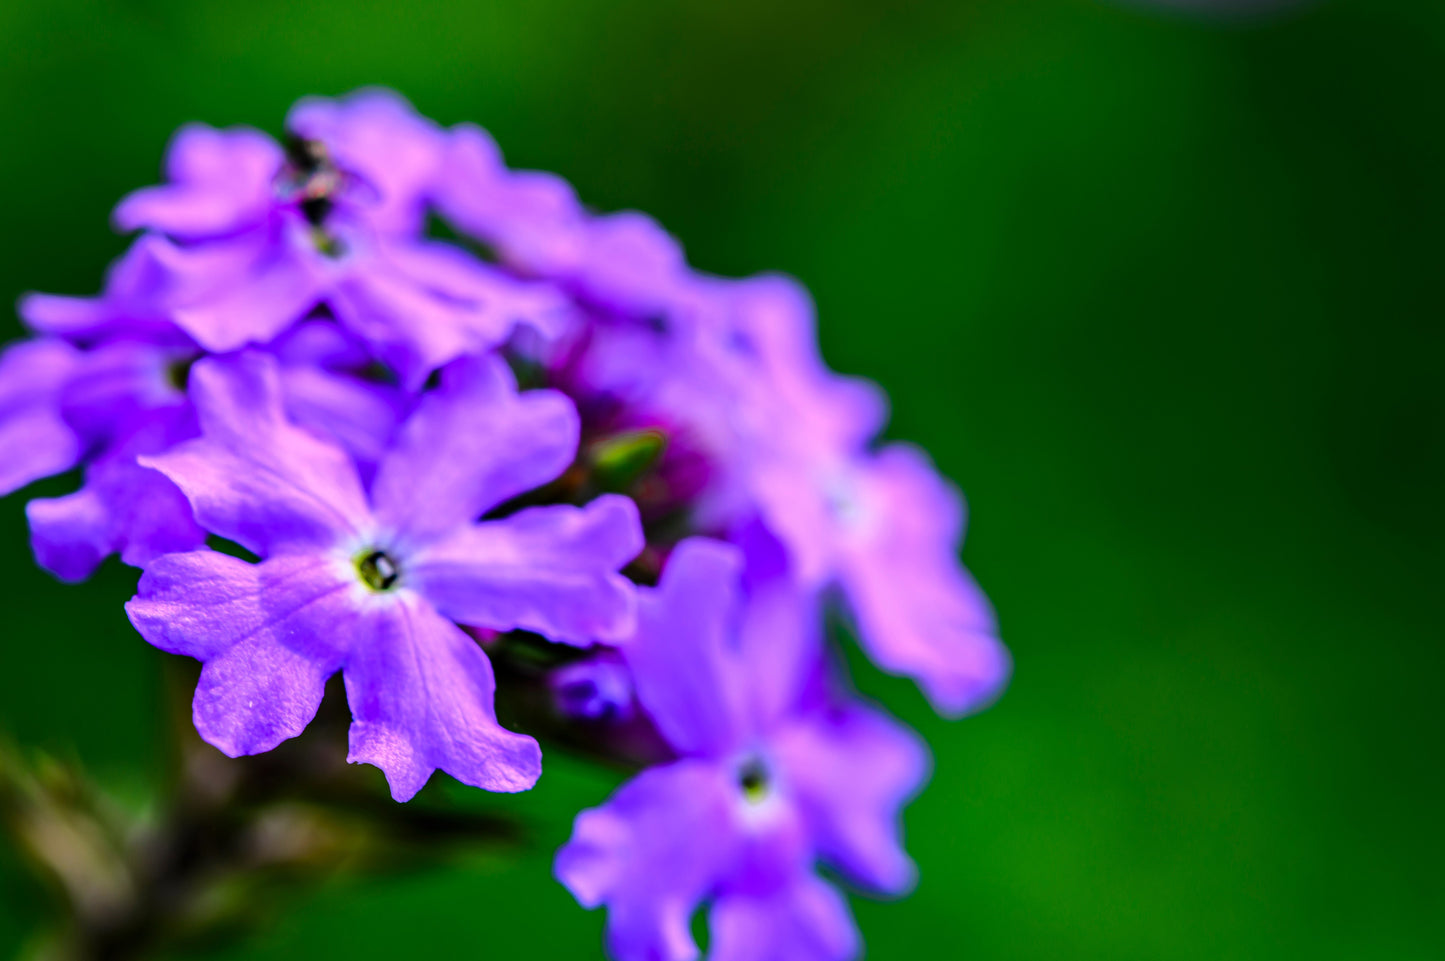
(1163, 295)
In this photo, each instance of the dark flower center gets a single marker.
(753, 779)
(378, 571)
(178, 373)
(311, 180)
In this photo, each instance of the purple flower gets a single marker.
(35, 438)
(769, 781)
(882, 526)
(270, 233)
(738, 371)
(373, 585)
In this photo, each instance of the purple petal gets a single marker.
(683, 657)
(35, 439)
(359, 415)
(121, 383)
(552, 570)
(421, 699)
(221, 181)
(123, 508)
(252, 476)
(652, 853)
(470, 446)
(850, 770)
(245, 290)
(766, 335)
(807, 921)
(631, 264)
(781, 644)
(269, 635)
(534, 219)
(918, 611)
(406, 326)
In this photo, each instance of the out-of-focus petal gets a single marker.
(269, 635)
(34, 437)
(471, 445)
(120, 383)
(919, 613)
(808, 921)
(851, 770)
(684, 658)
(220, 182)
(552, 570)
(651, 854)
(123, 507)
(630, 265)
(359, 415)
(254, 477)
(533, 219)
(246, 290)
(421, 699)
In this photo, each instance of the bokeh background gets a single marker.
(1162, 293)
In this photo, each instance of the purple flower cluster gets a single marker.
(335, 442)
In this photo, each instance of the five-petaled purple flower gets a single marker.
(289, 359)
(371, 584)
(772, 776)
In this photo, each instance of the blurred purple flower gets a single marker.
(265, 234)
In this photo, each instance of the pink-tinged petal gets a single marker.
(268, 634)
(918, 611)
(34, 437)
(359, 415)
(407, 328)
(471, 445)
(632, 265)
(684, 659)
(495, 302)
(807, 921)
(421, 305)
(375, 135)
(652, 854)
(534, 219)
(252, 476)
(850, 770)
(220, 182)
(246, 290)
(421, 699)
(552, 570)
(799, 510)
(781, 643)
(765, 335)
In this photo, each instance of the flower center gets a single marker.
(754, 781)
(311, 180)
(378, 570)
